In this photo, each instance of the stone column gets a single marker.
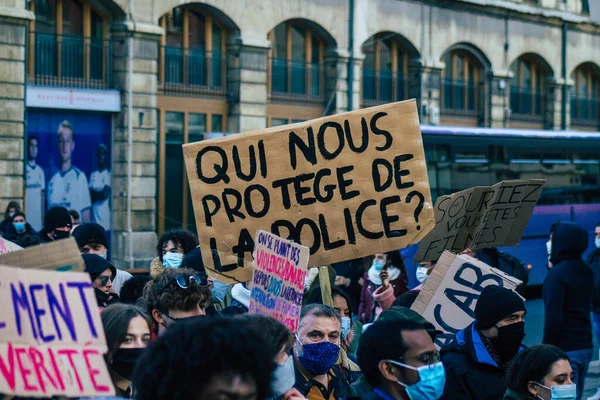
(14, 19)
(414, 83)
(551, 105)
(247, 84)
(144, 123)
(336, 81)
(499, 100)
(431, 96)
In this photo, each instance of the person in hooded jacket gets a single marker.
(57, 225)
(172, 247)
(5, 226)
(477, 359)
(102, 273)
(21, 232)
(567, 294)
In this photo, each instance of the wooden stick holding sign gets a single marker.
(346, 186)
(278, 279)
(51, 336)
(449, 295)
(480, 217)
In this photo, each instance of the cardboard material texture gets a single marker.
(480, 217)
(346, 186)
(280, 267)
(7, 246)
(449, 295)
(62, 255)
(51, 335)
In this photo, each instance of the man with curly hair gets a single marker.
(171, 248)
(174, 295)
(217, 358)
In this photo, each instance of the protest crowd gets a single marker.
(354, 330)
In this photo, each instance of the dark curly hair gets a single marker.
(193, 353)
(163, 295)
(184, 240)
(275, 333)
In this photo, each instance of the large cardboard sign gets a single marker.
(280, 267)
(51, 336)
(61, 255)
(449, 295)
(346, 186)
(480, 217)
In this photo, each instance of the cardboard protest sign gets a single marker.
(346, 186)
(51, 336)
(278, 280)
(61, 255)
(480, 217)
(449, 295)
(7, 246)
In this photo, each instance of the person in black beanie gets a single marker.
(91, 239)
(57, 225)
(477, 359)
(102, 273)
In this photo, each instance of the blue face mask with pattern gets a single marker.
(318, 358)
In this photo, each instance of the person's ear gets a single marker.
(532, 388)
(386, 369)
(158, 317)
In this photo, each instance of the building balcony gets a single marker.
(383, 86)
(70, 61)
(192, 73)
(585, 111)
(296, 82)
(527, 103)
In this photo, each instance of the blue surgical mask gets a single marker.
(430, 386)
(283, 378)
(378, 265)
(219, 291)
(318, 358)
(172, 260)
(104, 255)
(597, 242)
(562, 392)
(19, 226)
(549, 247)
(346, 327)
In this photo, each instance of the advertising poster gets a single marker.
(67, 164)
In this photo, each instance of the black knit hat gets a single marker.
(90, 233)
(496, 303)
(194, 261)
(56, 217)
(95, 265)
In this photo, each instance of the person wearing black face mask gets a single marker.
(127, 330)
(477, 359)
(57, 225)
(102, 273)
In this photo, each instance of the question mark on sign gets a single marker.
(419, 208)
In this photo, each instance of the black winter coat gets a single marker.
(593, 260)
(567, 291)
(471, 372)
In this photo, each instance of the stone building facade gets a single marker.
(207, 68)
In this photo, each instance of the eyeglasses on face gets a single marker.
(104, 279)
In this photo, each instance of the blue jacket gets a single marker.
(471, 372)
(567, 291)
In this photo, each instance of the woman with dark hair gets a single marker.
(11, 209)
(384, 280)
(540, 372)
(127, 331)
(171, 248)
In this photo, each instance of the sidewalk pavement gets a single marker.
(592, 381)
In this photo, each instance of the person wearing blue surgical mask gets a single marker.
(399, 360)
(21, 232)
(541, 372)
(172, 247)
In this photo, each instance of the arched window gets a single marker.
(192, 53)
(527, 97)
(385, 70)
(462, 84)
(296, 62)
(70, 44)
(585, 94)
